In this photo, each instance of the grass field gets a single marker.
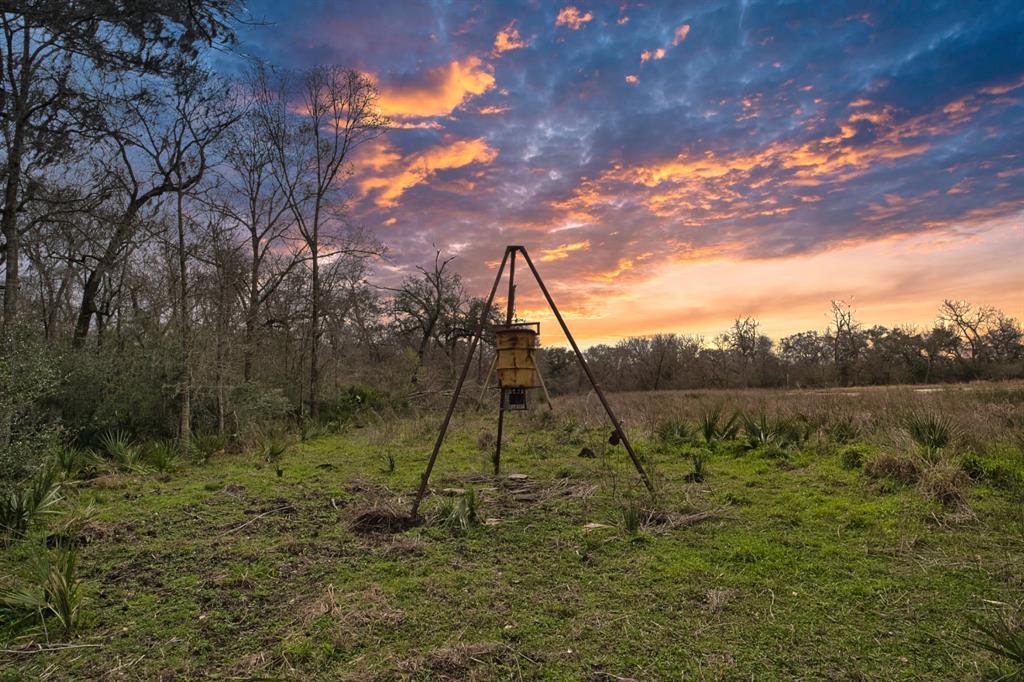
(796, 557)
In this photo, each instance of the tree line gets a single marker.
(178, 255)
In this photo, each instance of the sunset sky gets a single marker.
(671, 166)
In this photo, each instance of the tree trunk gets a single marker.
(185, 431)
(314, 370)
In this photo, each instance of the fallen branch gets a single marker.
(255, 519)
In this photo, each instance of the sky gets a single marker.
(671, 166)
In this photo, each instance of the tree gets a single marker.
(339, 112)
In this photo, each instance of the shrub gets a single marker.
(119, 448)
(901, 468)
(974, 467)
(852, 458)
(713, 428)
(673, 432)
(931, 432)
(944, 482)
(162, 456)
(22, 505)
(843, 430)
(699, 460)
(1004, 637)
(53, 593)
(387, 462)
(75, 462)
(254, 406)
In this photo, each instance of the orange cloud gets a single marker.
(680, 34)
(645, 56)
(571, 18)
(443, 90)
(508, 38)
(563, 251)
(492, 110)
(632, 79)
(402, 174)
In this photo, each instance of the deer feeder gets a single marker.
(516, 364)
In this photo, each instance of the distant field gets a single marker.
(824, 542)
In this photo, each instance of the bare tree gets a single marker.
(339, 112)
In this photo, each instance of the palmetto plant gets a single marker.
(1004, 637)
(759, 431)
(122, 450)
(714, 427)
(461, 515)
(931, 432)
(54, 592)
(273, 451)
(162, 456)
(21, 506)
(632, 517)
(673, 432)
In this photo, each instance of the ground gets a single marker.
(780, 564)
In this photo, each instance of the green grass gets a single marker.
(805, 568)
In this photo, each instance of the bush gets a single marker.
(901, 468)
(254, 406)
(713, 427)
(852, 458)
(673, 432)
(931, 432)
(22, 505)
(944, 482)
(54, 592)
(843, 430)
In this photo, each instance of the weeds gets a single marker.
(461, 514)
(899, 468)
(632, 517)
(74, 462)
(1004, 637)
(698, 459)
(852, 458)
(387, 463)
(273, 451)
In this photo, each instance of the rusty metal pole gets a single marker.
(458, 389)
(509, 314)
(590, 375)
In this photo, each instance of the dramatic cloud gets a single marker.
(570, 17)
(680, 34)
(642, 155)
(507, 39)
(440, 90)
(409, 172)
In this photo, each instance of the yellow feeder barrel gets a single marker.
(516, 365)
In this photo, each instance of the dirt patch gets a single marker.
(378, 521)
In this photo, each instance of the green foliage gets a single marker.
(674, 432)
(852, 457)
(632, 517)
(274, 448)
(843, 430)
(460, 514)
(23, 505)
(932, 432)
(162, 456)
(351, 403)
(74, 462)
(698, 458)
(713, 427)
(387, 462)
(119, 448)
(254, 406)
(1003, 635)
(53, 593)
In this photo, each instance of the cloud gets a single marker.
(398, 174)
(441, 91)
(562, 251)
(632, 79)
(571, 18)
(680, 34)
(508, 38)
